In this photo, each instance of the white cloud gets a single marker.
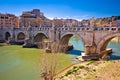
(51, 18)
(79, 18)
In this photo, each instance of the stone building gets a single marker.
(114, 21)
(71, 22)
(118, 21)
(85, 23)
(33, 18)
(9, 20)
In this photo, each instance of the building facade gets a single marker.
(9, 20)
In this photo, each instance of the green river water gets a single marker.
(17, 63)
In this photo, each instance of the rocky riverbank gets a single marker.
(93, 70)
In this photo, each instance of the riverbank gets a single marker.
(93, 70)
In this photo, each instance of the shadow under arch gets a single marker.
(7, 36)
(21, 36)
(39, 40)
(39, 37)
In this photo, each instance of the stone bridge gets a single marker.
(95, 39)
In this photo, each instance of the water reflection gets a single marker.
(77, 43)
(75, 52)
(115, 45)
(78, 47)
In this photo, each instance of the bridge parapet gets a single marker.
(32, 28)
(109, 29)
(74, 29)
(21, 29)
(113, 29)
(8, 28)
(40, 28)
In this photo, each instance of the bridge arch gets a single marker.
(65, 37)
(64, 40)
(39, 37)
(104, 42)
(7, 35)
(21, 36)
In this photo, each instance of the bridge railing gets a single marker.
(74, 29)
(33, 28)
(40, 28)
(109, 29)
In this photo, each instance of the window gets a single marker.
(6, 17)
(2, 17)
(113, 29)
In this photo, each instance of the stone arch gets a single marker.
(7, 35)
(44, 33)
(21, 36)
(104, 42)
(65, 37)
(39, 37)
(64, 40)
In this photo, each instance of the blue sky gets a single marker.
(77, 9)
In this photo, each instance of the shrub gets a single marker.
(68, 73)
(94, 70)
(81, 67)
(75, 67)
(90, 62)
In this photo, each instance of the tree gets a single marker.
(98, 22)
(103, 22)
(48, 64)
(72, 24)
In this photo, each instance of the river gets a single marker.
(78, 47)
